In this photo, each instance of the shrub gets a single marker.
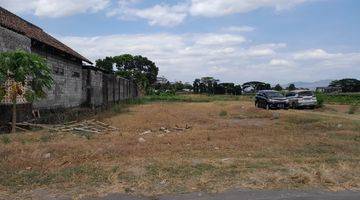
(320, 102)
(5, 139)
(223, 113)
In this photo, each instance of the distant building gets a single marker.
(329, 89)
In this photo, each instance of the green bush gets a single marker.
(223, 113)
(342, 98)
(320, 102)
(5, 139)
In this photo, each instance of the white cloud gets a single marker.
(315, 54)
(219, 39)
(280, 63)
(239, 29)
(54, 8)
(216, 8)
(265, 49)
(172, 15)
(188, 56)
(162, 15)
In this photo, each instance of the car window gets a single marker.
(274, 94)
(306, 93)
(290, 94)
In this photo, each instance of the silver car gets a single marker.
(301, 99)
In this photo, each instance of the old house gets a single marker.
(75, 84)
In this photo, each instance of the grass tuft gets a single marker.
(6, 139)
(223, 113)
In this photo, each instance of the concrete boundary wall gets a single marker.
(106, 89)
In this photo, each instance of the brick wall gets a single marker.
(67, 89)
(10, 40)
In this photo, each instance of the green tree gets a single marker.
(237, 90)
(196, 86)
(291, 87)
(21, 68)
(105, 64)
(208, 84)
(347, 85)
(257, 85)
(142, 70)
(278, 87)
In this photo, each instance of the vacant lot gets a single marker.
(176, 147)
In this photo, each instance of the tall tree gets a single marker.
(291, 87)
(196, 85)
(256, 85)
(208, 83)
(105, 64)
(142, 70)
(347, 85)
(23, 70)
(278, 87)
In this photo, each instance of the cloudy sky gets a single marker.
(278, 41)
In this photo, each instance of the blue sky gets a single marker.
(278, 41)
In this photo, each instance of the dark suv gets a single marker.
(269, 99)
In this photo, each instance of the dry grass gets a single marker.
(244, 148)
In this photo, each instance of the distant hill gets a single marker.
(310, 85)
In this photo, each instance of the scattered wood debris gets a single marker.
(165, 130)
(89, 126)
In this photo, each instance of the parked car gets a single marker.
(270, 99)
(301, 99)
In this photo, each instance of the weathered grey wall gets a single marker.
(66, 91)
(10, 40)
(72, 84)
(105, 89)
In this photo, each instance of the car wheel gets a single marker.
(293, 105)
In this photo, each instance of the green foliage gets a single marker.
(210, 85)
(347, 85)
(105, 64)
(28, 69)
(257, 85)
(169, 88)
(140, 69)
(278, 87)
(2, 92)
(342, 98)
(320, 101)
(47, 137)
(223, 113)
(5, 139)
(291, 87)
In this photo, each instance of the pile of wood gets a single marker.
(89, 126)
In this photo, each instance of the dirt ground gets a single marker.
(164, 148)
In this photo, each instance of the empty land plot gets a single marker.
(177, 147)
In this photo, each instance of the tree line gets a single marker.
(210, 85)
